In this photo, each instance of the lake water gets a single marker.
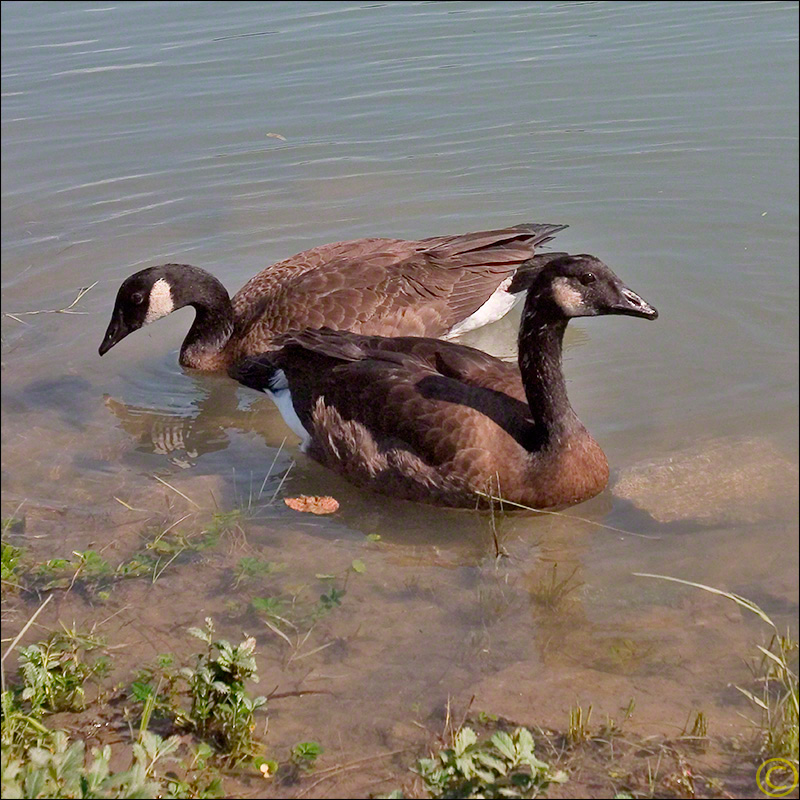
(233, 135)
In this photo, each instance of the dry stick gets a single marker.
(81, 292)
(19, 636)
(165, 532)
(285, 476)
(7, 524)
(156, 576)
(127, 505)
(311, 652)
(498, 550)
(738, 599)
(188, 499)
(269, 471)
(333, 771)
(466, 712)
(297, 693)
(111, 616)
(77, 572)
(277, 631)
(568, 516)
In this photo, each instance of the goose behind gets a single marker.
(442, 286)
(442, 423)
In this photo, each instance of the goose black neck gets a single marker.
(541, 338)
(214, 321)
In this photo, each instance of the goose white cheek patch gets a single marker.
(568, 298)
(160, 302)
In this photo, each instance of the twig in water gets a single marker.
(18, 637)
(269, 471)
(331, 772)
(157, 575)
(568, 516)
(295, 657)
(275, 629)
(169, 486)
(67, 310)
(167, 530)
(285, 476)
(273, 695)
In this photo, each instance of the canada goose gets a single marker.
(442, 423)
(443, 286)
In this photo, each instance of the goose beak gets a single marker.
(632, 305)
(117, 330)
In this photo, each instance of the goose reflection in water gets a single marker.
(185, 435)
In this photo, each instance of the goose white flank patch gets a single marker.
(279, 393)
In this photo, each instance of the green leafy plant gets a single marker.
(304, 755)
(251, 567)
(271, 606)
(56, 768)
(222, 522)
(199, 779)
(505, 766)
(329, 601)
(156, 687)
(19, 729)
(87, 569)
(55, 671)
(222, 711)
(11, 557)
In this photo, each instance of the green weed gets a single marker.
(329, 601)
(504, 766)
(87, 569)
(578, 730)
(55, 671)
(56, 768)
(550, 592)
(9, 562)
(304, 755)
(222, 522)
(251, 567)
(270, 606)
(222, 711)
(776, 671)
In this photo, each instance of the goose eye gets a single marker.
(137, 298)
(587, 278)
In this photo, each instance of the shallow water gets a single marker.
(665, 135)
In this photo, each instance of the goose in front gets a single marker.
(438, 422)
(441, 287)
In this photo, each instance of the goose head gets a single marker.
(583, 286)
(154, 292)
(143, 298)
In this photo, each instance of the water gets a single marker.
(233, 135)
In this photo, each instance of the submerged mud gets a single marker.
(429, 616)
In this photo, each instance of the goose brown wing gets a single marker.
(403, 391)
(388, 287)
(451, 360)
